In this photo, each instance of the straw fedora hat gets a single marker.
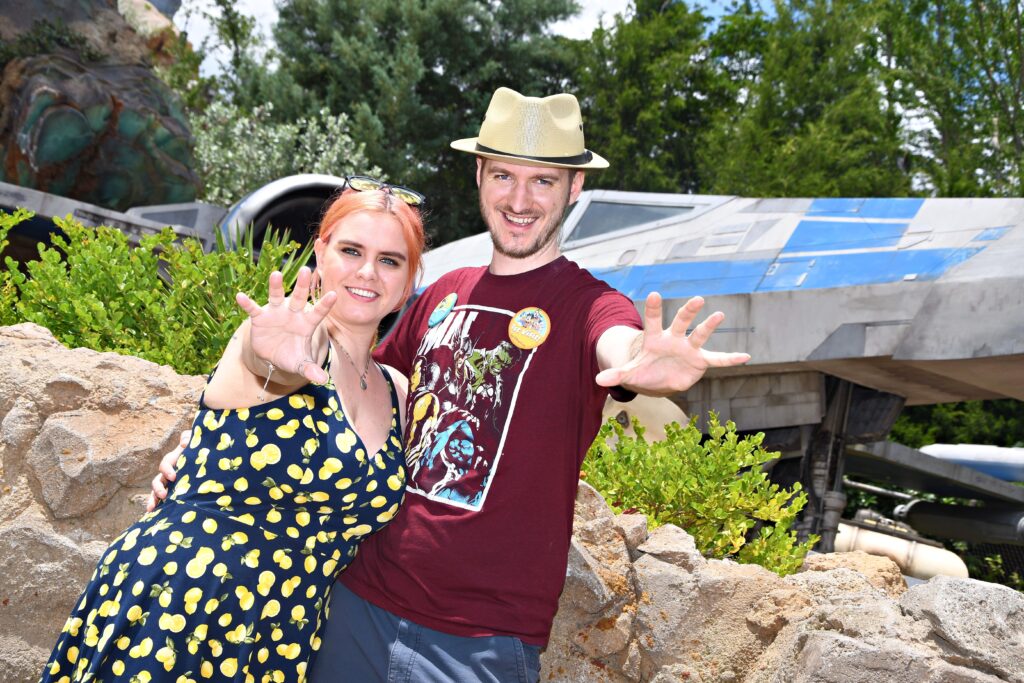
(533, 131)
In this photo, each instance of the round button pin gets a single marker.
(529, 328)
(443, 308)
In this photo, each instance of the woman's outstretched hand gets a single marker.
(281, 331)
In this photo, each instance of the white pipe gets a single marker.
(915, 559)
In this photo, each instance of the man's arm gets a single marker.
(657, 361)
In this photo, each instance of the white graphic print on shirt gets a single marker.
(462, 389)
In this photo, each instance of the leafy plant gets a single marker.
(712, 487)
(8, 289)
(238, 152)
(163, 300)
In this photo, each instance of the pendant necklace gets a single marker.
(366, 366)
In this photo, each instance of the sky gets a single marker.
(189, 18)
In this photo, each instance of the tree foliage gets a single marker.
(648, 91)
(239, 152)
(414, 75)
(995, 423)
(809, 117)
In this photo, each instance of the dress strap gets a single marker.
(395, 408)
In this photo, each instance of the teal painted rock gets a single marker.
(108, 134)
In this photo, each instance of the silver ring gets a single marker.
(303, 363)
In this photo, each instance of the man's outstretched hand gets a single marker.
(670, 360)
(158, 487)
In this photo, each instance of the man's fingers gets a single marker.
(720, 359)
(157, 490)
(612, 377)
(652, 314)
(700, 335)
(685, 316)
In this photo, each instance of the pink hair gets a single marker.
(379, 201)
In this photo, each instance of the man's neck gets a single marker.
(509, 265)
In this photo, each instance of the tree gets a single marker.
(648, 92)
(957, 67)
(809, 116)
(414, 75)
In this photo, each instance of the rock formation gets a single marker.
(649, 607)
(101, 128)
(107, 134)
(81, 433)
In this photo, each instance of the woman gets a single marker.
(295, 456)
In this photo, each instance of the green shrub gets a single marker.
(713, 488)
(8, 290)
(162, 300)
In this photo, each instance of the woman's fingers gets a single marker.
(248, 305)
(275, 287)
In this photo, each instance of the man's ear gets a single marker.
(480, 161)
(576, 186)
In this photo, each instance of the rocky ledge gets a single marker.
(81, 433)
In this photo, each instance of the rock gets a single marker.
(590, 504)
(108, 134)
(81, 434)
(633, 529)
(836, 586)
(980, 625)
(671, 544)
(584, 588)
(777, 609)
(835, 658)
(99, 22)
(881, 572)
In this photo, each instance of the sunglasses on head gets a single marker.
(362, 183)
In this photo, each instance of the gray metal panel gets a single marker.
(899, 465)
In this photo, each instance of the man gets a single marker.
(509, 366)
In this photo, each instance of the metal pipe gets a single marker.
(877, 490)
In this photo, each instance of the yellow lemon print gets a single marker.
(171, 622)
(388, 514)
(266, 582)
(130, 539)
(245, 597)
(271, 609)
(147, 555)
(287, 430)
(345, 441)
(289, 651)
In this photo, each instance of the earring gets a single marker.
(315, 288)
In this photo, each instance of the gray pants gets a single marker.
(362, 643)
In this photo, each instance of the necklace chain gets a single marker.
(366, 366)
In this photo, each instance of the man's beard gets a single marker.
(551, 231)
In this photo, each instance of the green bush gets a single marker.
(712, 487)
(163, 300)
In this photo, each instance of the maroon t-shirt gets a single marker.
(502, 408)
